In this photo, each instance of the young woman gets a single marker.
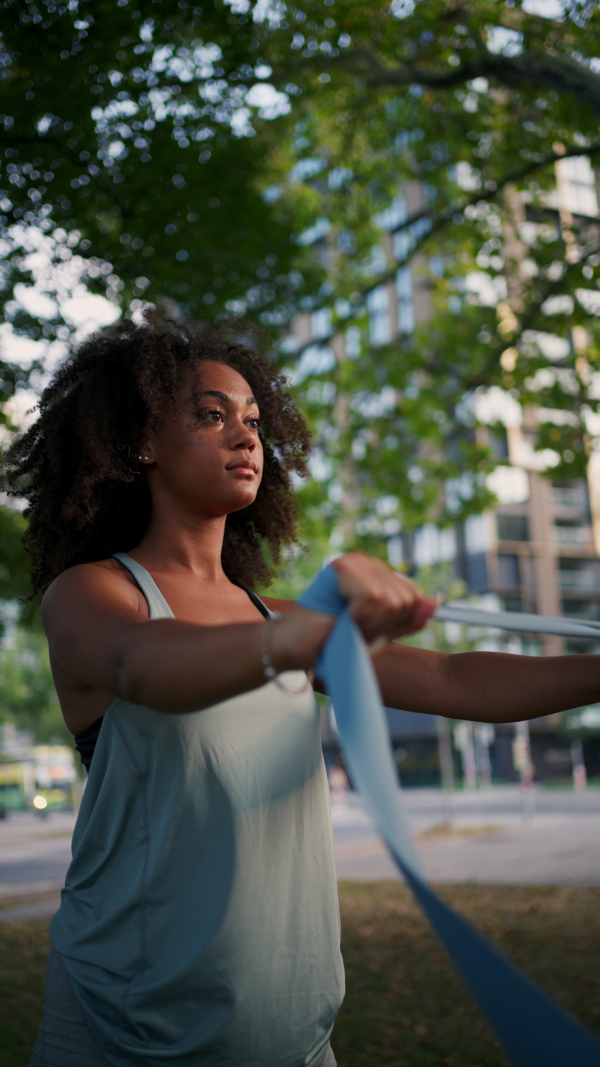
(199, 923)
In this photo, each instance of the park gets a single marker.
(384, 219)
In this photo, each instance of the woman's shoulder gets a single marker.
(104, 580)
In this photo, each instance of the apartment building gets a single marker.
(538, 550)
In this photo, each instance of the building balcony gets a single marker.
(583, 581)
(577, 536)
(570, 496)
(581, 609)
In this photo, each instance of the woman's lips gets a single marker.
(246, 469)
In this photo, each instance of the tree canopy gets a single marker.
(123, 143)
(295, 158)
(470, 110)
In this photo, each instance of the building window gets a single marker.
(498, 441)
(508, 569)
(581, 609)
(432, 545)
(511, 603)
(583, 574)
(572, 532)
(531, 646)
(378, 306)
(404, 301)
(571, 492)
(512, 527)
(577, 185)
(573, 647)
(476, 575)
(353, 342)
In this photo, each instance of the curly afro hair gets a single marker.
(75, 464)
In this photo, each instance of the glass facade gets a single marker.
(512, 527)
(404, 301)
(378, 307)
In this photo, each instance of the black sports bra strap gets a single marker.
(254, 598)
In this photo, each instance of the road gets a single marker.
(490, 842)
(493, 840)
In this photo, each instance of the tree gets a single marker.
(14, 581)
(469, 106)
(475, 104)
(27, 695)
(129, 165)
(124, 147)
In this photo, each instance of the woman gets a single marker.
(199, 921)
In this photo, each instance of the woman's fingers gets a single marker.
(382, 603)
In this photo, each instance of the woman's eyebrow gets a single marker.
(223, 396)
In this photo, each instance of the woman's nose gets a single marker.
(243, 437)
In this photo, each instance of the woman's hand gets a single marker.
(383, 604)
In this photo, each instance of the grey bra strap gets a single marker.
(157, 605)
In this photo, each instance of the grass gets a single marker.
(23, 952)
(43, 897)
(405, 1005)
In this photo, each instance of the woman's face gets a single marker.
(209, 458)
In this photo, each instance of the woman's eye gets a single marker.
(254, 423)
(211, 415)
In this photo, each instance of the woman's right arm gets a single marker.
(101, 640)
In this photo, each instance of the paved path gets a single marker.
(35, 851)
(553, 840)
(491, 843)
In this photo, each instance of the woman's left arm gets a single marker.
(485, 686)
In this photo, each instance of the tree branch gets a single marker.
(536, 69)
(443, 219)
(529, 319)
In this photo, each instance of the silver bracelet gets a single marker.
(269, 670)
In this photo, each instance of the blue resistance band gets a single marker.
(533, 1029)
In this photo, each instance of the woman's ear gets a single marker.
(144, 453)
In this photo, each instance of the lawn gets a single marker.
(405, 1006)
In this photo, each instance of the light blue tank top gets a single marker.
(199, 921)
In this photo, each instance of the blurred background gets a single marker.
(406, 197)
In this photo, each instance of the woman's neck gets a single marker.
(194, 546)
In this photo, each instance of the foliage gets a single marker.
(438, 579)
(27, 695)
(578, 723)
(475, 104)
(15, 586)
(422, 135)
(125, 147)
(14, 580)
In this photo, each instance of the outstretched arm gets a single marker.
(99, 638)
(485, 686)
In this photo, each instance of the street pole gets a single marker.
(523, 764)
(578, 763)
(463, 739)
(446, 759)
(484, 736)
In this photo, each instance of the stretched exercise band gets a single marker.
(518, 622)
(533, 1029)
